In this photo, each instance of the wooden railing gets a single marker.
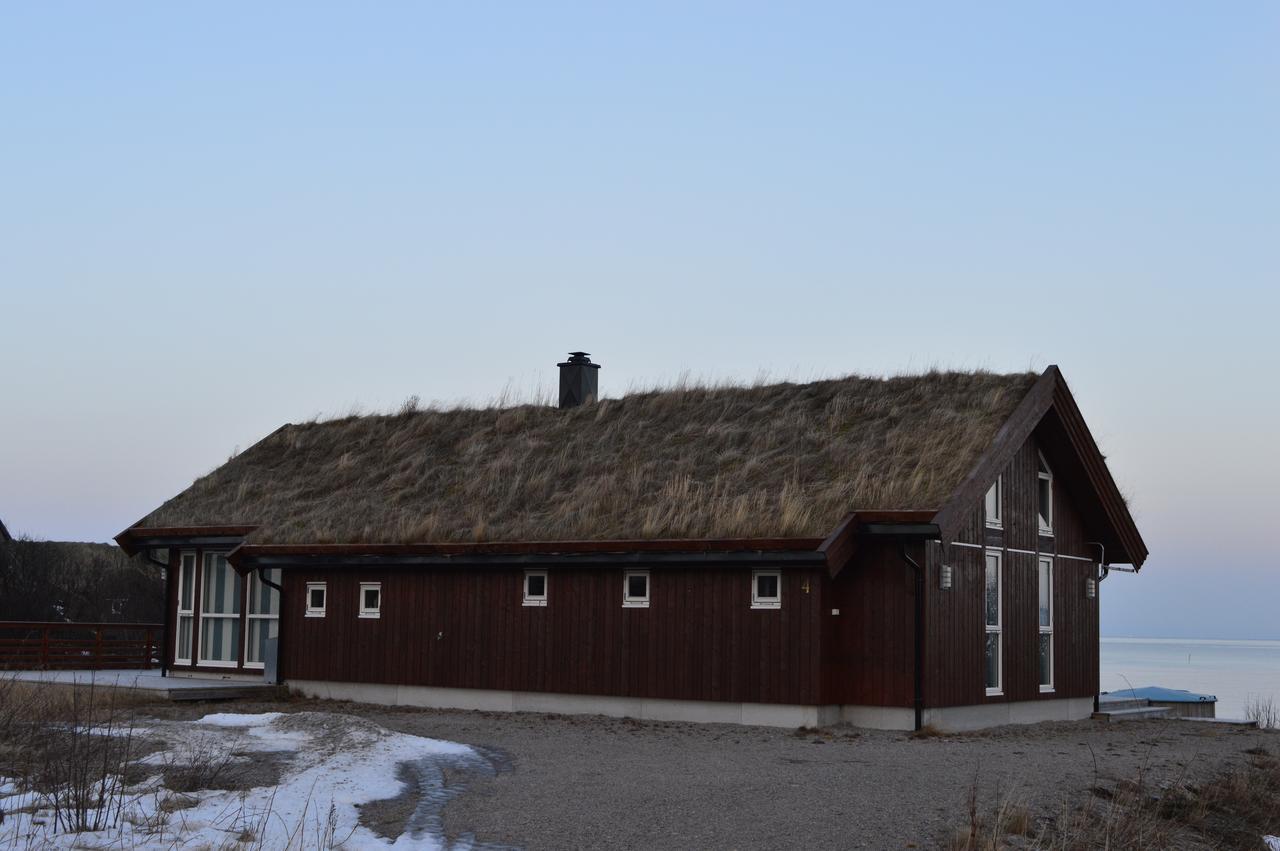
(48, 646)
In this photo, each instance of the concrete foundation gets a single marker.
(698, 711)
(961, 718)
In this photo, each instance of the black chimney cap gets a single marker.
(579, 358)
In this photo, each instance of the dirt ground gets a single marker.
(591, 782)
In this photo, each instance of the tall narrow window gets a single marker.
(1046, 624)
(1045, 497)
(263, 617)
(993, 613)
(635, 589)
(186, 609)
(994, 499)
(219, 613)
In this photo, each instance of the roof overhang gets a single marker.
(832, 553)
(841, 544)
(1050, 412)
(137, 538)
(781, 552)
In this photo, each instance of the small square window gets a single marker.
(766, 589)
(315, 599)
(635, 590)
(535, 588)
(370, 599)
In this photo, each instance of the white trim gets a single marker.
(629, 602)
(998, 627)
(1016, 550)
(758, 602)
(1045, 562)
(370, 611)
(995, 521)
(234, 617)
(535, 599)
(187, 613)
(317, 611)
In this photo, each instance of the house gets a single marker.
(5, 537)
(891, 552)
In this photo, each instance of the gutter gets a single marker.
(246, 559)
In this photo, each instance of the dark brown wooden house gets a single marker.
(890, 552)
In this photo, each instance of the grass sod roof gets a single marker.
(776, 460)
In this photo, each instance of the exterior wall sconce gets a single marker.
(1091, 588)
(945, 577)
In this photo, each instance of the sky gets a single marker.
(218, 218)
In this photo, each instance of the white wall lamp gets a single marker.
(1091, 588)
(945, 577)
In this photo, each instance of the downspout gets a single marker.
(919, 633)
(168, 626)
(262, 577)
(1106, 571)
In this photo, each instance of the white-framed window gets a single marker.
(1044, 497)
(635, 589)
(370, 599)
(1044, 649)
(317, 598)
(262, 618)
(994, 501)
(186, 609)
(766, 589)
(219, 613)
(535, 588)
(992, 615)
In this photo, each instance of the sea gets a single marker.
(1234, 671)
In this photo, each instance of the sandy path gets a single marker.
(576, 782)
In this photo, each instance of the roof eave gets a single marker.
(1050, 392)
(137, 538)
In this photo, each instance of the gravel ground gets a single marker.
(590, 782)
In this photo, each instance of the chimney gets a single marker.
(579, 380)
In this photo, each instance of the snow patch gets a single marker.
(331, 766)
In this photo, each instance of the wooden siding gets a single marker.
(699, 639)
(955, 653)
(871, 643)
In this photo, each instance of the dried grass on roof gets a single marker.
(774, 460)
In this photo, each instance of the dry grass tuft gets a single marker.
(771, 460)
(1234, 809)
(1262, 711)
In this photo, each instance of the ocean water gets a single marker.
(1235, 671)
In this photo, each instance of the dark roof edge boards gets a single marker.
(1049, 393)
(4, 533)
(136, 538)
(1095, 464)
(833, 553)
(839, 546)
